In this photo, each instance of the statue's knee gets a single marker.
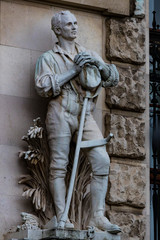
(104, 158)
(106, 161)
(101, 167)
(105, 165)
(57, 173)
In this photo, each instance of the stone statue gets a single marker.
(139, 8)
(66, 74)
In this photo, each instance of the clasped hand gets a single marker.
(82, 58)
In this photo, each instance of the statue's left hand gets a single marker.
(86, 56)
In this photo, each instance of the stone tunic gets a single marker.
(57, 61)
(65, 106)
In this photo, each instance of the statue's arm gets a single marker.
(109, 73)
(111, 79)
(47, 81)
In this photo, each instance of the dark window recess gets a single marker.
(155, 128)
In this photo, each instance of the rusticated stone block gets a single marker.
(126, 40)
(129, 94)
(129, 137)
(127, 184)
(133, 226)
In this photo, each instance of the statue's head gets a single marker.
(64, 24)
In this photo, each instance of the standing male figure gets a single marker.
(66, 73)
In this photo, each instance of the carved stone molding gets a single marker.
(105, 7)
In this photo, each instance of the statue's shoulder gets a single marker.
(47, 56)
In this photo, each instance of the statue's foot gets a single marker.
(104, 224)
(69, 225)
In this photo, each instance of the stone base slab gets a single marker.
(55, 234)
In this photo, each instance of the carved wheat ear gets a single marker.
(37, 184)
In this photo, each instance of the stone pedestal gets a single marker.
(56, 234)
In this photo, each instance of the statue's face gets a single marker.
(68, 29)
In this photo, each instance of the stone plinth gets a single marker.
(55, 234)
(24, 234)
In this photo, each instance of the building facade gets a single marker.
(117, 31)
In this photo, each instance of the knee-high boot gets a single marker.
(99, 186)
(58, 191)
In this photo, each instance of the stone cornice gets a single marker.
(110, 7)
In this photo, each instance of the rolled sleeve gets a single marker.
(46, 80)
(109, 73)
(113, 78)
(55, 85)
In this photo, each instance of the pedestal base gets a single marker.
(56, 234)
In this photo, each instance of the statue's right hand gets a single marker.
(80, 60)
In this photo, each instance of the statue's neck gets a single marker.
(68, 46)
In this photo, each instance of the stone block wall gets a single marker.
(19, 104)
(24, 35)
(128, 120)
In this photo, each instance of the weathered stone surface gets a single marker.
(129, 137)
(62, 234)
(129, 94)
(10, 208)
(122, 7)
(79, 235)
(15, 71)
(16, 116)
(27, 26)
(10, 170)
(126, 40)
(16, 22)
(127, 184)
(133, 226)
(25, 234)
(11, 202)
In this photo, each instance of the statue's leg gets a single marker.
(59, 137)
(100, 163)
(59, 150)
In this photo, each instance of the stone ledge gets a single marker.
(55, 234)
(104, 7)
